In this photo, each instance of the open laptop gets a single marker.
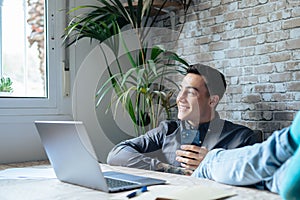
(74, 161)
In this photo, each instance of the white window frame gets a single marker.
(55, 14)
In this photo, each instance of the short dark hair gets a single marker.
(214, 79)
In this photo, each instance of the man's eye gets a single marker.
(192, 92)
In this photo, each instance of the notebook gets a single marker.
(74, 161)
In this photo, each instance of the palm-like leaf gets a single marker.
(140, 89)
(138, 83)
(97, 24)
(6, 84)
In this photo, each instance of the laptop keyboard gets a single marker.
(115, 183)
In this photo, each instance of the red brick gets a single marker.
(247, 3)
(248, 80)
(250, 41)
(263, 69)
(279, 57)
(293, 105)
(271, 126)
(264, 88)
(217, 11)
(241, 23)
(234, 53)
(218, 46)
(252, 21)
(190, 50)
(227, 1)
(234, 89)
(293, 66)
(291, 23)
(293, 44)
(248, 71)
(202, 40)
(284, 116)
(293, 86)
(236, 33)
(281, 46)
(204, 57)
(233, 15)
(192, 17)
(261, 10)
(296, 75)
(282, 77)
(252, 98)
(265, 28)
(204, 6)
(208, 21)
(219, 28)
(252, 115)
(270, 106)
(264, 48)
(275, 16)
(278, 97)
(276, 36)
(233, 72)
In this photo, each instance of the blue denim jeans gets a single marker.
(251, 164)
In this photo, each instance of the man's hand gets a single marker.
(190, 156)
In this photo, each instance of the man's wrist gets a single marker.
(163, 167)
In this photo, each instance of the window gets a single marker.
(31, 53)
(18, 134)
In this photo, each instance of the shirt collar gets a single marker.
(202, 126)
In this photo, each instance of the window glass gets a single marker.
(23, 47)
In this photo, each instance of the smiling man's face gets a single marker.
(193, 100)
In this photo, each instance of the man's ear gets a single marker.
(214, 100)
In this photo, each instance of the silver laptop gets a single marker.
(74, 161)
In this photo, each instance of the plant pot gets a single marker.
(5, 94)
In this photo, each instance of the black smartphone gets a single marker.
(189, 136)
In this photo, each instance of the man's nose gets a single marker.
(181, 95)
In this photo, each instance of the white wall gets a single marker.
(104, 130)
(19, 140)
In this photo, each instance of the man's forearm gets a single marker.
(128, 157)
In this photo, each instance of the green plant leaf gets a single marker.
(6, 84)
(141, 88)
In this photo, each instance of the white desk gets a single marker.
(51, 188)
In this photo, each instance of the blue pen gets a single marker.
(138, 192)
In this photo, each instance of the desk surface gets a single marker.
(52, 188)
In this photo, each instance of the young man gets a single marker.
(275, 161)
(178, 146)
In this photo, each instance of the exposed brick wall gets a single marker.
(256, 44)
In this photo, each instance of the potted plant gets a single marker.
(140, 85)
(5, 86)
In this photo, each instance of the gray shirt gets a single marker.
(160, 144)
